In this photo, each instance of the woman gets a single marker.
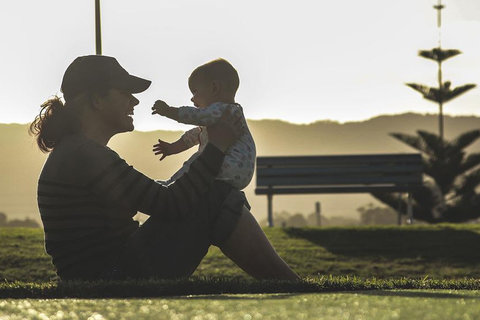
(87, 194)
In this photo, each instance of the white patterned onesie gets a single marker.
(239, 163)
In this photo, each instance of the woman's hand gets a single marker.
(226, 130)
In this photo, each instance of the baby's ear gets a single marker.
(216, 87)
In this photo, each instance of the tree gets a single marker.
(373, 215)
(443, 93)
(451, 179)
(25, 223)
(3, 219)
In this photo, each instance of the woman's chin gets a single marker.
(129, 127)
(126, 125)
(130, 123)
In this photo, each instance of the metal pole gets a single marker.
(98, 29)
(317, 213)
(409, 208)
(399, 212)
(440, 103)
(439, 8)
(270, 214)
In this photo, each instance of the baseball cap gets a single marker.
(87, 73)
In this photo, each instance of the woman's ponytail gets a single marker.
(52, 123)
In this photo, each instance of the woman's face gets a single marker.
(116, 110)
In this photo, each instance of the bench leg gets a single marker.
(409, 208)
(270, 213)
(399, 212)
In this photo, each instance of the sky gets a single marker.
(299, 61)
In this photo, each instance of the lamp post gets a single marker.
(98, 29)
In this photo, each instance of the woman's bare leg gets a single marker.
(250, 249)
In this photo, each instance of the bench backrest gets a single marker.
(338, 173)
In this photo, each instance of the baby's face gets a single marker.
(202, 93)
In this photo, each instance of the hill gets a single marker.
(22, 162)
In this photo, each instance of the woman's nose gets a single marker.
(135, 101)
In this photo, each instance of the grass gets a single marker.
(202, 286)
(410, 272)
(438, 251)
(387, 304)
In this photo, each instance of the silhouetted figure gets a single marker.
(87, 194)
(213, 86)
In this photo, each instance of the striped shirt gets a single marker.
(87, 196)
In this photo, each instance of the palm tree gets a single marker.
(451, 178)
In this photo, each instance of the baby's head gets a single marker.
(214, 81)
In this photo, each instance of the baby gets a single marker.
(213, 86)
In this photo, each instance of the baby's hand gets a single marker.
(160, 108)
(163, 148)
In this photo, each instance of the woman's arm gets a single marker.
(121, 185)
(113, 180)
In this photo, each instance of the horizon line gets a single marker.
(315, 121)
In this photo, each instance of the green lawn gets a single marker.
(359, 305)
(348, 273)
(436, 251)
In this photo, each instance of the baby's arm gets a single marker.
(165, 148)
(204, 116)
(191, 137)
(162, 108)
(191, 115)
(186, 141)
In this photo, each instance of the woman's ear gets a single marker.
(96, 101)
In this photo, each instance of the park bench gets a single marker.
(338, 174)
